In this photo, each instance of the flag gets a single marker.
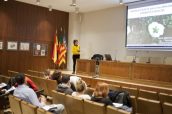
(62, 50)
(55, 49)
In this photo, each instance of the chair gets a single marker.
(40, 111)
(147, 106)
(163, 97)
(51, 85)
(131, 91)
(28, 108)
(134, 104)
(15, 105)
(40, 82)
(167, 108)
(97, 57)
(58, 98)
(91, 107)
(113, 110)
(74, 105)
(114, 87)
(148, 94)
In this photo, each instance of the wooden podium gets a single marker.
(86, 67)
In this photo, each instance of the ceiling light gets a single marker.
(76, 9)
(120, 1)
(73, 3)
(5, 0)
(37, 2)
(50, 8)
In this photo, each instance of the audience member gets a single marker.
(25, 93)
(57, 75)
(65, 86)
(30, 83)
(48, 73)
(101, 94)
(80, 89)
(74, 80)
(11, 85)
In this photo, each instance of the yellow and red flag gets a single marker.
(55, 49)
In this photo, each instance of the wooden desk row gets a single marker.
(150, 73)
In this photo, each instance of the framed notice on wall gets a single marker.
(40, 49)
(24, 46)
(1, 45)
(12, 45)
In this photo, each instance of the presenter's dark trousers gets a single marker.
(75, 57)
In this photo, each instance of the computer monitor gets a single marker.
(108, 57)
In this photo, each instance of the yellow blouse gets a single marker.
(75, 50)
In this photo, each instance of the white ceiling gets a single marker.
(84, 5)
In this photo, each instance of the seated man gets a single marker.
(64, 86)
(27, 94)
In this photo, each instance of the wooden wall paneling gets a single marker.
(28, 23)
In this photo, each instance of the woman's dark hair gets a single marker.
(74, 41)
(57, 75)
(65, 79)
(12, 82)
(20, 78)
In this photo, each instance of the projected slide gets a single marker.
(150, 26)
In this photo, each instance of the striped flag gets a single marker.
(55, 49)
(62, 50)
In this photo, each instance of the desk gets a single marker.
(86, 67)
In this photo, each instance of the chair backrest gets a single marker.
(58, 98)
(91, 107)
(40, 82)
(40, 111)
(148, 94)
(15, 105)
(51, 85)
(163, 97)
(147, 106)
(113, 110)
(134, 104)
(131, 91)
(12, 73)
(167, 108)
(28, 108)
(114, 87)
(74, 105)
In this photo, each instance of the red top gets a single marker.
(31, 84)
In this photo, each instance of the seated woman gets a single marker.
(48, 73)
(9, 88)
(57, 75)
(80, 89)
(101, 94)
(74, 80)
(64, 86)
